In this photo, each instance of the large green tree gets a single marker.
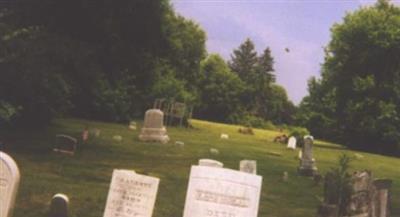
(221, 90)
(358, 96)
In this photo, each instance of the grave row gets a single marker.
(213, 191)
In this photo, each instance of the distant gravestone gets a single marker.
(9, 181)
(224, 136)
(380, 205)
(248, 166)
(307, 163)
(153, 129)
(292, 143)
(65, 144)
(210, 163)
(132, 125)
(131, 195)
(222, 192)
(214, 151)
(59, 206)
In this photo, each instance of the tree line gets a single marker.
(109, 60)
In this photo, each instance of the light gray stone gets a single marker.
(222, 192)
(214, 151)
(9, 182)
(307, 162)
(210, 163)
(131, 194)
(59, 206)
(292, 143)
(248, 166)
(153, 128)
(224, 136)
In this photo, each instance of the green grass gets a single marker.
(85, 177)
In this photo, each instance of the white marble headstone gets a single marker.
(222, 192)
(131, 195)
(248, 166)
(210, 163)
(9, 181)
(292, 143)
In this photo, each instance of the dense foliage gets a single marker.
(110, 60)
(357, 99)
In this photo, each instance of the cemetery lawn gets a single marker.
(85, 177)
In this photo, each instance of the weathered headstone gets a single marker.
(85, 135)
(210, 163)
(131, 194)
(359, 204)
(292, 142)
(9, 181)
(307, 163)
(248, 166)
(380, 205)
(153, 129)
(59, 206)
(222, 192)
(65, 144)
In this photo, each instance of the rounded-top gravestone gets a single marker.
(59, 206)
(153, 127)
(9, 181)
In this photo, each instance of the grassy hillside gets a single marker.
(85, 177)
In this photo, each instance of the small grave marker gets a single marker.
(248, 166)
(292, 143)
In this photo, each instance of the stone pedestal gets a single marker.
(153, 128)
(307, 163)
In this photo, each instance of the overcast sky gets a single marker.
(302, 26)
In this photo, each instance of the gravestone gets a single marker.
(131, 194)
(214, 151)
(292, 142)
(224, 136)
(248, 166)
(132, 125)
(153, 129)
(307, 162)
(59, 206)
(219, 192)
(9, 181)
(65, 144)
(359, 204)
(210, 163)
(380, 204)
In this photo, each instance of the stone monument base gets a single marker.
(154, 135)
(307, 171)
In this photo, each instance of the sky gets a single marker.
(302, 26)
